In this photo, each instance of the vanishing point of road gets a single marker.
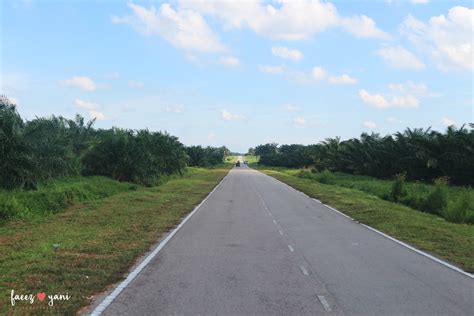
(258, 247)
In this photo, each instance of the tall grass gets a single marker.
(398, 190)
(56, 195)
(455, 204)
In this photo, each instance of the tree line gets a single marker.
(419, 154)
(47, 148)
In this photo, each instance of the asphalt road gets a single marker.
(258, 247)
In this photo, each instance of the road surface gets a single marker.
(258, 247)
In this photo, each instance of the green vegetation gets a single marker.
(438, 198)
(48, 148)
(98, 241)
(251, 159)
(231, 159)
(41, 161)
(56, 195)
(398, 190)
(420, 154)
(453, 242)
(206, 156)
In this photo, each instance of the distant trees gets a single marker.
(206, 156)
(16, 161)
(45, 148)
(421, 154)
(135, 156)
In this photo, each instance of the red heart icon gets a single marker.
(41, 296)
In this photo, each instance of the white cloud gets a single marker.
(291, 108)
(447, 39)
(81, 104)
(299, 121)
(9, 99)
(376, 100)
(405, 101)
(92, 109)
(319, 73)
(448, 122)
(274, 70)
(409, 87)
(84, 83)
(183, 28)
(362, 26)
(229, 61)
(135, 84)
(174, 109)
(420, 1)
(399, 57)
(228, 116)
(343, 79)
(290, 20)
(99, 116)
(287, 53)
(370, 124)
(404, 95)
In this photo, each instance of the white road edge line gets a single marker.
(444, 263)
(274, 222)
(337, 211)
(118, 289)
(420, 252)
(325, 303)
(281, 233)
(303, 269)
(291, 248)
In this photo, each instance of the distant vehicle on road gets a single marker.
(246, 162)
(237, 164)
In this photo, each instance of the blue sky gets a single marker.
(242, 73)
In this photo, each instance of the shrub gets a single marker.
(9, 207)
(458, 212)
(437, 200)
(398, 190)
(326, 177)
(306, 175)
(470, 218)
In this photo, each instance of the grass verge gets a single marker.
(453, 242)
(416, 195)
(98, 242)
(56, 195)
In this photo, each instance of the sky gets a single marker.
(242, 73)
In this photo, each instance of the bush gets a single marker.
(458, 212)
(56, 195)
(326, 177)
(469, 218)
(437, 201)
(398, 190)
(9, 207)
(135, 156)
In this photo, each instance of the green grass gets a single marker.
(251, 159)
(99, 241)
(416, 193)
(56, 195)
(453, 242)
